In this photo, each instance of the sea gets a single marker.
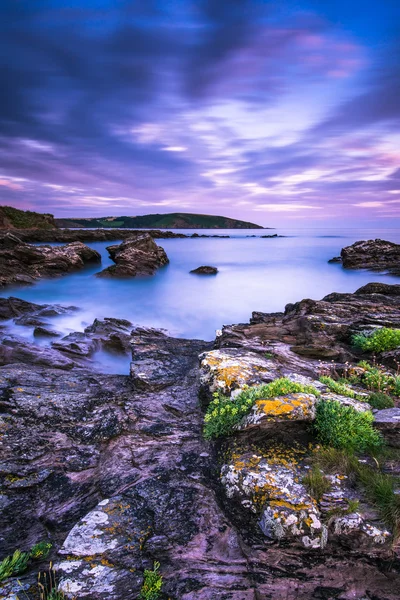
(254, 274)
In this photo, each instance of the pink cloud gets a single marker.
(10, 184)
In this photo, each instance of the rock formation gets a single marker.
(137, 256)
(114, 469)
(23, 263)
(205, 270)
(375, 255)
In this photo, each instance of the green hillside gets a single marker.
(162, 221)
(13, 218)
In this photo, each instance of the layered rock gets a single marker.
(313, 330)
(375, 255)
(137, 256)
(24, 263)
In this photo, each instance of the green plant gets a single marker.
(317, 483)
(338, 387)
(152, 584)
(18, 562)
(378, 487)
(378, 340)
(40, 550)
(343, 427)
(380, 400)
(14, 565)
(224, 413)
(352, 507)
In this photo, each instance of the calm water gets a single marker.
(254, 274)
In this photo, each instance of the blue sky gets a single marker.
(277, 112)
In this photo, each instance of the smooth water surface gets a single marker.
(254, 274)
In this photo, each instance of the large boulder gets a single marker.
(137, 256)
(376, 255)
(24, 263)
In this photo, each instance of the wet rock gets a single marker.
(376, 255)
(77, 343)
(114, 335)
(205, 270)
(14, 349)
(137, 256)
(41, 331)
(23, 263)
(85, 235)
(14, 307)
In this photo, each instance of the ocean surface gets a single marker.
(254, 274)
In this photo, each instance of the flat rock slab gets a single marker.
(387, 421)
(230, 369)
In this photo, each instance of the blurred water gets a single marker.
(254, 274)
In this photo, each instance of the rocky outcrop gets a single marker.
(23, 263)
(88, 235)
(137, 256)
(313, 330)
(114, 470)
(205, 270)
(375, 255)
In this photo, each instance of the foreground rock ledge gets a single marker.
(114, 470)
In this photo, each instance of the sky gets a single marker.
(283, 112)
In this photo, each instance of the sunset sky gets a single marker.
(275, 112)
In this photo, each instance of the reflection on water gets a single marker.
(254, 274)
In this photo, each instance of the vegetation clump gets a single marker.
(380, 400)
(338, 387)
(152, 584)
(379, 340)
(317, 483)
(224, 412)
(18, 562)
(343, 427)
(48, 587)
(379, 487)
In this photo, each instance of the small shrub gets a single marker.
(14, 565)
(224, 413)
(343, 427)
(152, 583)
(18, 562)
(338, 387)
(380, 400)
(379, 340)
(40, 550)
(375, 377)
(316, 483)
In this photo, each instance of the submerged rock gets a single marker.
(137, 256)
(205, 270)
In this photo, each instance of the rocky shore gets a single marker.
(95, 235)
(115, 472)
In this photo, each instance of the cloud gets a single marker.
(235, 105)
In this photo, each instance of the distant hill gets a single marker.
(159, 221)
(13, 218)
